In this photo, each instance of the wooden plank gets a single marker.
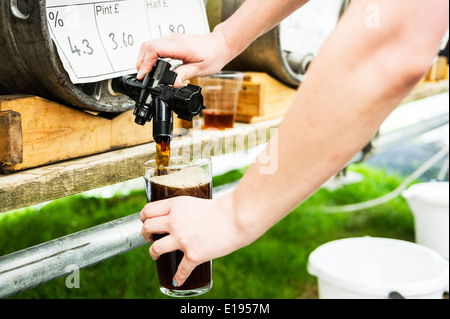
(33, 186)
(52, 132)
(438, 71)
(11, 150)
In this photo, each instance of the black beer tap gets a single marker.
(156, 98)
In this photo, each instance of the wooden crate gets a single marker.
(35, 132)
(439, 71)
(262, 98)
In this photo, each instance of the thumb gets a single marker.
(185, 268)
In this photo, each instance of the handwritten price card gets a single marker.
(101, 40)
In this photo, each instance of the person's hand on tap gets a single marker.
(201, 54)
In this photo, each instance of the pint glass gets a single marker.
(183, 177)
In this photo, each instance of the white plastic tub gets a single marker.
(369, 267)
(429, 203)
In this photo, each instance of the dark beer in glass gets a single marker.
(183, 177)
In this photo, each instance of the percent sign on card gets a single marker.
(56, 19)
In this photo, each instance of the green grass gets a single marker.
(272, 267)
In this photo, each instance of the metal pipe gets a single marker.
(31, 267)
(395, 138)
(28, 268)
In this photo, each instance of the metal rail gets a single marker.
(31, 267)
(39, 264)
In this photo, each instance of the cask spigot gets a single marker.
(157, 99)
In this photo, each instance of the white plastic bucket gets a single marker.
(429, 203)
(367, 267)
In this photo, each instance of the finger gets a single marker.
(186, 72)
(141, 54)
(178, 81)
(185, 268)
(154, 226)
(147, 65)
(149, 54)
(148, 237)
(155, 209)
(162, 246)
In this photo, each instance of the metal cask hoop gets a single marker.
(266, 54)
(30, 63)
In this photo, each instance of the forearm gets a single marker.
(351, 87)
(253, 19)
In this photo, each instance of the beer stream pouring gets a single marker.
(156, 98)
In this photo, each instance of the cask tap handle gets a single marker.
(156, 98)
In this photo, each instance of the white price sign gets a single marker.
(306, 30)
(101, 40)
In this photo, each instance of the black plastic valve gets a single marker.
(156, 98)
(187, 101)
